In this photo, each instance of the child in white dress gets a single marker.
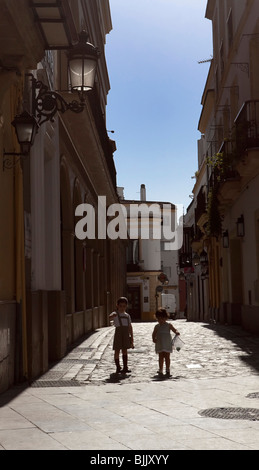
(162, 338)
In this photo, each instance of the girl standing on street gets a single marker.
(123, 336)
(162, 338)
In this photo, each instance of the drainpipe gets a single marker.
(20, 264)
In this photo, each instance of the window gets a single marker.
(222, 64)
(230, 29)
(133, 252)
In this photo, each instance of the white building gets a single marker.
(152, 255)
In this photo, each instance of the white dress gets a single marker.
(163, 338)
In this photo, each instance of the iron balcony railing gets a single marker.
(201, 207)
(223, 167)
(247, 127)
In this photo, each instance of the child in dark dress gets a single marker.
(123, 336)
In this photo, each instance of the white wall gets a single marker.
(45, 210)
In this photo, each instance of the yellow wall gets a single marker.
(7, 221)
(12, 265)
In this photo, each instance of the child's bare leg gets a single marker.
(161, 361)
(167, 362)
(125, 360)
(117, 359)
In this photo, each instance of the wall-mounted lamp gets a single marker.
(196, 259)
(26, 127)
(240, 226)
(225, 239)
(82, 64)
(203, 258)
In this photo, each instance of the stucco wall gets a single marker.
(7, 344)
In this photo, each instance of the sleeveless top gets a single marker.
(163, 338)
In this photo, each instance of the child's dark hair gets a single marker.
(162, 313)
(122, 300)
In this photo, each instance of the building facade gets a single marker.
(225, 222)
(54, 286)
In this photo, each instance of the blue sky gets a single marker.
(154, 103)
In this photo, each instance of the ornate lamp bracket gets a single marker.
(47, 103)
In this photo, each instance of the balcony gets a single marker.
(225, 177)
(247, 140)
(197, 241)
(247, 127)
(201, 209)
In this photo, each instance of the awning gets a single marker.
(54, 19)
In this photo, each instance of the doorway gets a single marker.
(134, 308)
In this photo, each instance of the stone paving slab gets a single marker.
(150, 416)
(88, 407)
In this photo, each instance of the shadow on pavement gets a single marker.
(244, 340)
(16, 389)
(116, 378)
(163, 378)
(11, 393)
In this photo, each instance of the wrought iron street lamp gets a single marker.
(26, 128)
(204, 258)
(225, 239)
(196, 259)
(82, 65)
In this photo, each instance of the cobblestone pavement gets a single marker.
(210, 350)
